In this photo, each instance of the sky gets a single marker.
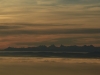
(26, 23)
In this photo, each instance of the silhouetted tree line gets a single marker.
(53, 48)
(53, 51)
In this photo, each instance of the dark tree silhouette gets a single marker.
(61, 51)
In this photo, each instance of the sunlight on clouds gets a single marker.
(4, 17)
(95, 9)
(74, 13)
(46, 2)
(46, 11)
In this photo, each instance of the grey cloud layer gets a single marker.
(50, 31)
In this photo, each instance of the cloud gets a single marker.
(50, 31)
(47, 2)
(49, 11)
(48, 17)
(26, 40)
(65, 40)
(9, 27)
(78, 1)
